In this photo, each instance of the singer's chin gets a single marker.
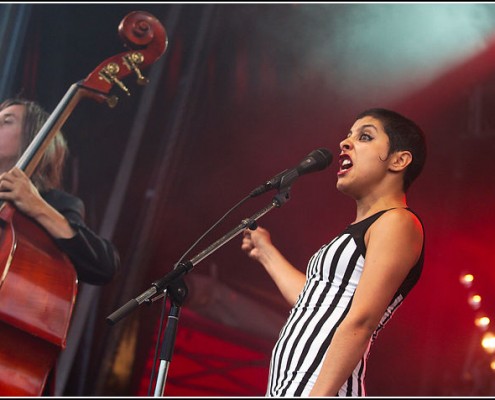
(341, 186)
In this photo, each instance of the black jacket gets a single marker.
(95, 259)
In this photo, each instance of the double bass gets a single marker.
(38, 283)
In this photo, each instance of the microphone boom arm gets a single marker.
(183, 268)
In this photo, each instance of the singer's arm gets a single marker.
(289, 280)
(393, 245)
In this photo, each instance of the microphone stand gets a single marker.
(173, 285)
(177, 293)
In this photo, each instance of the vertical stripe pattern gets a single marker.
(332, 276)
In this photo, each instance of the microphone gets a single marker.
(315, 161)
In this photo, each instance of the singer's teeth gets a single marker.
(346, 164)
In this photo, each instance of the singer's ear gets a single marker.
(400, 160)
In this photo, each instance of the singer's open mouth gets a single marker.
(345, 163)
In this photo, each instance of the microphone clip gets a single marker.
(273, 183)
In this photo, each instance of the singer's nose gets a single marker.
(345, 144)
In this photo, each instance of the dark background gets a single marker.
(243, 92)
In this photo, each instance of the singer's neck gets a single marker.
(370, 205)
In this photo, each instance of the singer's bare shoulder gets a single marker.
(398, 228)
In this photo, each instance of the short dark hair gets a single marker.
(403, 134)
(49, 172)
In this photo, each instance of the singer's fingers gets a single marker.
(247, 247)
(246, 242)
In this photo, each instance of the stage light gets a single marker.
(482, 321)
(488, 342)
(467, 280)
(474, 301)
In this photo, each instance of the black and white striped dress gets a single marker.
(332, 276)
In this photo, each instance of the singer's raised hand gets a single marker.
(258, 246)
(255, 243)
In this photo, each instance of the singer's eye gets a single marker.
(365, 137)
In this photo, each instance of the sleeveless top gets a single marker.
(332, 276)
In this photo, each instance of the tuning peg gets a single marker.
(132, 61)
(112, 101)
(109, 73)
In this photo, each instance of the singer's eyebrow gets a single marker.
(368, 126)
(361, 128)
